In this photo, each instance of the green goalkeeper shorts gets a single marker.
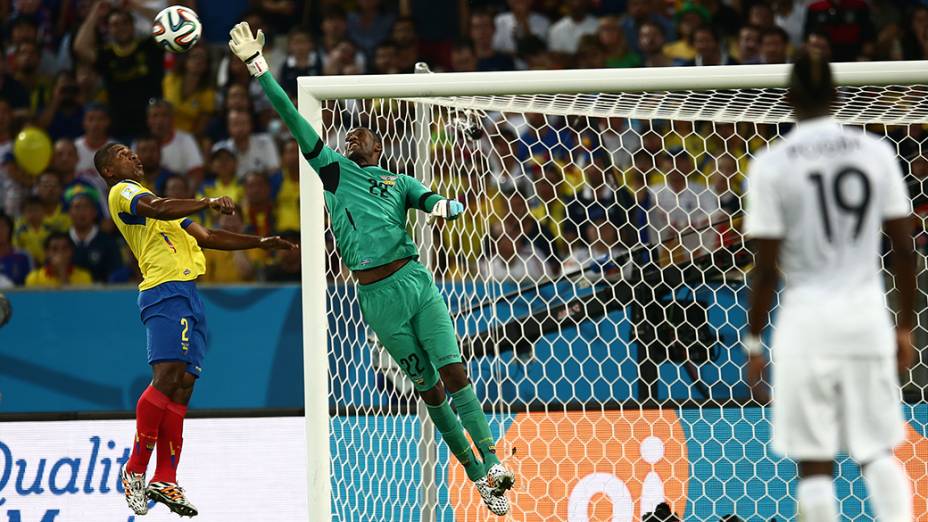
(412, 322)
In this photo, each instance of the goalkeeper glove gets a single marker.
(449, 209)
(248, 48)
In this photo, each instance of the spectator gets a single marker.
(709, 49)
(761, 16)
(14, 264)
(915, 36)
(343, 58)
(534, 55)
(12, 92)
(96, 126)
(63, 116)
(613, 43)
(25, 29)
(638, 13)
(94, 251)
(725, 19)
(590, 53)
(724, 182)
(683, 208)
(517, 23)
(598, 239)
(385, 59)
(64, 161)
(481, 34)
(148, 149)
(230, 266)
(181, 188)
(844, 24)
(48, 188)
(774, 45)
(651, 43)
(254, 152)
(748, 49)
(790, 15)
(819, 43)
(285, 268)
(335, 34)
(565, 34)
(370, 25)
(132, 69)
(236, 99)
(13, 182)
(603, 187)
(463, 58)
(179, 151)
(288, 195)
(688, 18)
(258, 207)
(279, 14)
(407, 44)
(189, 89)
(31, 230)
(59, 269)
(543, 138)
(38, 86)
(89, 83)
(302, 59)
(223, 168)
(512, 257)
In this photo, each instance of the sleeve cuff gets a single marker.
(133, 205)
(186, 223)
(428, 200)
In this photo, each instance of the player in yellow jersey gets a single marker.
(167, 246)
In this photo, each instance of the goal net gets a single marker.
(598, 285)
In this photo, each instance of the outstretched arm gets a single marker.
(248, 49)
(218, 239)
(418, 196)
(166, 209)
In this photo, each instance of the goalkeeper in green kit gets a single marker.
(367, 209)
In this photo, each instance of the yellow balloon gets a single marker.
(32, 150)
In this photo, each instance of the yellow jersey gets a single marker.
(166, 252)
(43, 277)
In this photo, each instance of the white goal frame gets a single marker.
(313, 91)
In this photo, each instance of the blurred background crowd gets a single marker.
(546, 194)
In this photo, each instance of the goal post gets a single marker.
(607, 337)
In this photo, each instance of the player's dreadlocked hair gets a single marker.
(811, 86)
(103, 156)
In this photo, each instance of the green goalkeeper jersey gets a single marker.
(367, 205)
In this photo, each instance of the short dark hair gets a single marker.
(57, 235)
(708, 28)
(775, 31)
(334, 11)
(96, 106)
(811, 86)
(374, 133)
(103, 157)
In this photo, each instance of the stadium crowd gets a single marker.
(545, 194)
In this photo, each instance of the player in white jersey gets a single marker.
(817, 203)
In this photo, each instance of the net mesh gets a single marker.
(597, 283)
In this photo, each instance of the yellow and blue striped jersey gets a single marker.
(166, 252)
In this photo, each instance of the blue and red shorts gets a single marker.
(176, 324)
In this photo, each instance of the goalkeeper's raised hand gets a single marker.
(248, 48)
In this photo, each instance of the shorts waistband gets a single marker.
(405, 269)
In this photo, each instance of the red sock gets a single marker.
(148, 414)
(170, 440)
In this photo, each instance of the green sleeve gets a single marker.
(311, 145)
(418, 196)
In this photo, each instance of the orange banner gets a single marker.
(581, 467)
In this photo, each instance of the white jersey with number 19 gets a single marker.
(825, 191)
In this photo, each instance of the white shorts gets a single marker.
(823, 406)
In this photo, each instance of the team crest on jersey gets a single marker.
(388, 180)
(128, 191)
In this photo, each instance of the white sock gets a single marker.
(817, 503)
(890, 489)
